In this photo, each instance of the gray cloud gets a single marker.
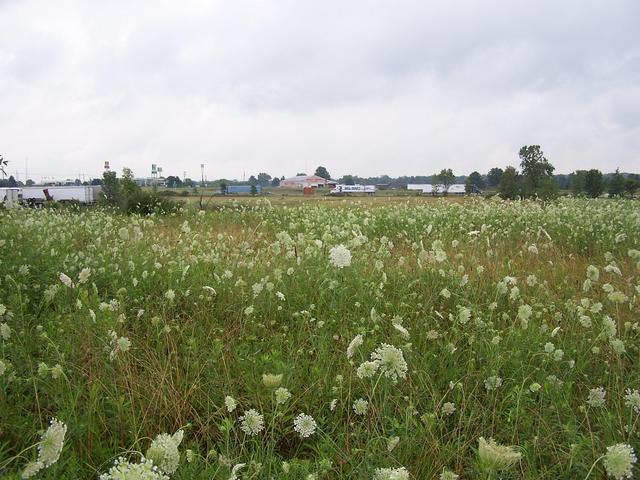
(370, 87)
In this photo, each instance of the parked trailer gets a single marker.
(83, 194)
(10, 196)
(345, 189)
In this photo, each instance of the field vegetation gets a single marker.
(320, 340)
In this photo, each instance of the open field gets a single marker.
(404, 333)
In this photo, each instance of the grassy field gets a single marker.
(322, 339)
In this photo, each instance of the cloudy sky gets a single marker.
(359, 86)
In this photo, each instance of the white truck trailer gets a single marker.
(10, 196)
(83, 194)
(346, 189)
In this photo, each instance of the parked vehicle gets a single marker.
(347, 189)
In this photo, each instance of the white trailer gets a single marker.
(82, 194)
(344, 189)
(10, 196)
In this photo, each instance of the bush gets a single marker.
(147, 203)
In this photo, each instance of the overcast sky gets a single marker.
(282, 86)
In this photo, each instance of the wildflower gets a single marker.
(66, 280)
(333, 404)
(164, 451)
(367, 369)
(617, 297)
(49, 448)
(403, 331)
(271, 380)
(282, 395)
(448, 408)
(234, 471)
(170, 295)
(535, 387)
(43, 369)
(632, 399)
(305, 425)
(492, 383)
(84, 274)
(494, 457)
(448, 475)
(533, 249)
(391, 361)
(392, 443)
(619, 461)
(3, 368)
(230, 403)
(251, 423)
(340, 256)
(124, 470)
(391, 474)
(464, 315)
(593, 274)
(5, 331)
(445, 293)
(617, 345)
(360, 406)
(280, 296)
(355, 343)
(56, 371)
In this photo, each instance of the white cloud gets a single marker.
(367, 87)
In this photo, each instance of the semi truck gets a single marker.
(347, 189)
(83, 193)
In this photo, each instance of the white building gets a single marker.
(302, 181)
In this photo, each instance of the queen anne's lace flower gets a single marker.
(391, 474)
(391, 361)
(355, 343)
(164, 451)
(360, 406)
(282, 395)
(49, 448)
(596, 397)
(619, 461)
(230, 403)
(494, 457)
(251, 423)
(124, 470)
(340, 256)
(632, 399)
(305, 425)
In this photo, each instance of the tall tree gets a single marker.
(509, 187)
(275, 182)
(494, 176)
(110, 188)
(322, 172)
(445, 178)
(173, 181)
(632, 184)
(616, 184)
(348, 180)
(264, 179)
(577, 182)
(475, 182)
(593, 183)
(535, 167)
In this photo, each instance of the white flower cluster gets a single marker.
(340, 256)
(49, 448)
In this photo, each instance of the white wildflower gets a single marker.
(251, 423)
(230, 403)
(391, 361)
(164, 451)
(305, 425)
(355, 343)
(340, 256)
(619, 461)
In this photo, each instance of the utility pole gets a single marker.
(202, 174)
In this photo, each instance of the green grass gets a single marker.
(189, 352)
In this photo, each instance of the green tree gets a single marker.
(509, 187)
(444, 178)
(128, 184)
(474, 183)
(110, 188)
(173, 181)
(275, 182)
(577, 182)
(348, 180)
(494, 176)
(223, 187)
(616, 184)
(593, 183)
(29, 183)
(632, 184)
(322, 172)
(254, 189)
(264, 179)
(535, 167)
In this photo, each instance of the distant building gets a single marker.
(150, 181)
(243, 189)
(302, 181)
